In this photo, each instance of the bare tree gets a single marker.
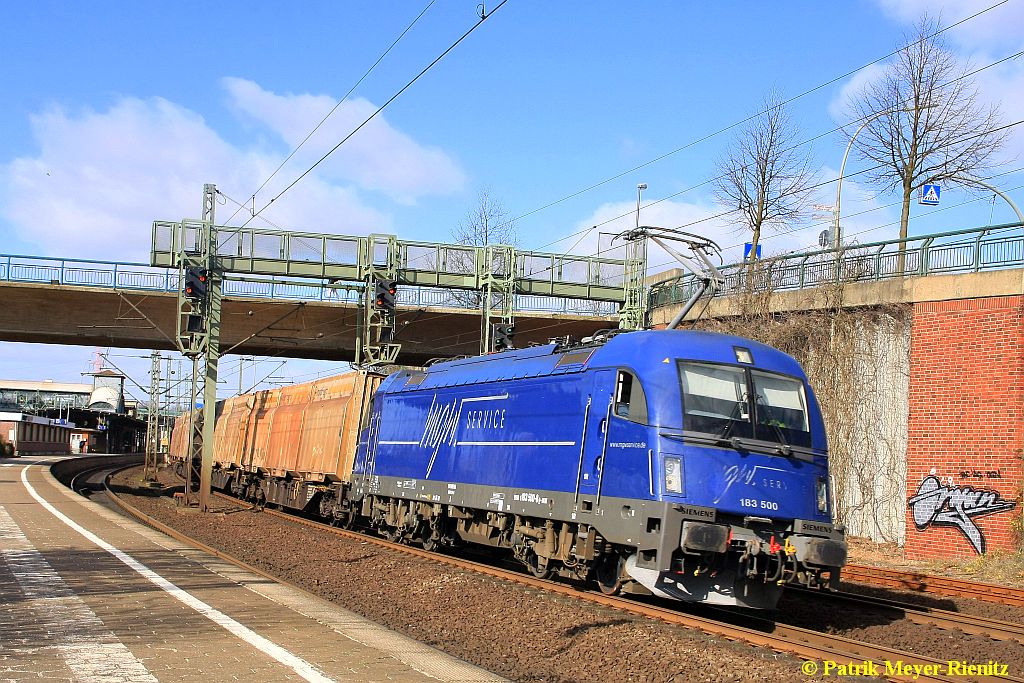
(764, 177)
(487, 223)
(923, 122)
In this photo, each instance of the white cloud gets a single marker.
(1004, 84)
(839, 107)
(101, 177)
(378, 157)
(1000, 26)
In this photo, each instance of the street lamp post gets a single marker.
(837, 240)
(1020, 217)
(639, 188)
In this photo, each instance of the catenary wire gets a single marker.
(811, 187)
(335, 108)
(582, 233)
(749, 118)
(381, 108)
(586, 231)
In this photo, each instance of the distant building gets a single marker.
(60, 417)
(22, 434)
(17, 395)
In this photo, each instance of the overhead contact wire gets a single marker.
(381, 108)
(335, 108)
(750, 118)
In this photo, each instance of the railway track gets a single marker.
(803, 643)
(931, 616)
(937, 585)
(91, 480)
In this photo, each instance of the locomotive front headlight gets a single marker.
(822, 491)
(673, 475)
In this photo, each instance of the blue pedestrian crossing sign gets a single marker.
(746, 251)
(929, 195)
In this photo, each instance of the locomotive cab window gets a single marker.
(715, 399)
(630, 401)
(727, 401)
(781, 409)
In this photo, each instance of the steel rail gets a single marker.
(929, 616)
(921, 614)
(937, 585)
(802, 643)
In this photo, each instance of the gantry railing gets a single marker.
(958, 251)
(141, 277)
(422, 264)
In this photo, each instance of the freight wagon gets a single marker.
(286, 445)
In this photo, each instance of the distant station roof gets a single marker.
(106, 372)
(45, 385)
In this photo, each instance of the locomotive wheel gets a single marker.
(538, 571)
(345, 520)
(608, 574)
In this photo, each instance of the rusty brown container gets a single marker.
(231, 430)
(260, 421)
(179, 438)
(329, 426)
(286, 429)
(307, 431)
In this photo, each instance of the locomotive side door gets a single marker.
(597, 412)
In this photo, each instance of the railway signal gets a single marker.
(503, 334)
(196, 280)
(384, 297)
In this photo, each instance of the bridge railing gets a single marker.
(257, 251)
(129, 276)
(959, 251)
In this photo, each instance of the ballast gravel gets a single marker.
(521, 633)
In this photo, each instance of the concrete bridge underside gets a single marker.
(61, 314)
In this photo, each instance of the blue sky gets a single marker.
(116, 113)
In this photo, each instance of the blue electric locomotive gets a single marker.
(686, 464)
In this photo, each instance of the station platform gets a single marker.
(89, 595)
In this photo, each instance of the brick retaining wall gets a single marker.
(965, 427)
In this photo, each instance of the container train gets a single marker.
(690, 465)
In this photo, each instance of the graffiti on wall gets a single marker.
(946, 505)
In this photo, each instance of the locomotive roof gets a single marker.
(643, 351)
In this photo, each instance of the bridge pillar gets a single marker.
(965, 427)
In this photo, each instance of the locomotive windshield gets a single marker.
(728, 401)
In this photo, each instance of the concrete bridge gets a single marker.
(123, 316)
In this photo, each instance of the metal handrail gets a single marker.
(267, 252)
(937, 253)
(871, 261)
(133, 276)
